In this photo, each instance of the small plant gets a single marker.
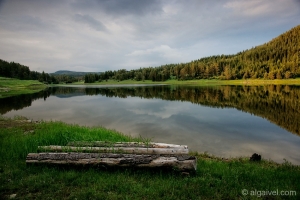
(17, 117)
(146, 141)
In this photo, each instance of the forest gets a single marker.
(18, 71)
(277, 59)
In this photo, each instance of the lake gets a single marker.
(227, 121)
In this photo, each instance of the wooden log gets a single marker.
(129, 150)
(178, 162)
(124, 144)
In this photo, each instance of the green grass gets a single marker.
(237, 82)
(202, 82)
(215, 177)
(11, 87)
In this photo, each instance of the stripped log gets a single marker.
(178, 162)
(128, 150)
(125, 144)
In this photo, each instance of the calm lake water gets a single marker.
(227, 121)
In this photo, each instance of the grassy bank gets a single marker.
(202, 82)
(237, 82)
(12, 87)
(215, 177)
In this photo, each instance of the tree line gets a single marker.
(18, 71)
(277, 59)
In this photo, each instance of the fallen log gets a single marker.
(127, 150)
(125, 144)
(178, 162)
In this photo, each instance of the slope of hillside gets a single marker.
(277, 59)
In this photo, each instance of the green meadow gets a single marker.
(12, 87)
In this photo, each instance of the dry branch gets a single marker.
(179, 162)
(128, 150)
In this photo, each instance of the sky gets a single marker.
(101, 35)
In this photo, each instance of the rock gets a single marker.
(225, 160)
(185, 174)
(255, 157)
(12, 196)
(28, 132)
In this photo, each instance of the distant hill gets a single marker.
(72, 73)
(276, 59)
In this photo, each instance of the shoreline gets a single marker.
(222, 178)
(201, 82)
(12, 87)
(20, 121)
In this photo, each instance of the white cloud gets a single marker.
(163, 51)
(153, 107)
(257, 8)
(252, 8)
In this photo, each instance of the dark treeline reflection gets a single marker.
(277, 103)
(21, 101)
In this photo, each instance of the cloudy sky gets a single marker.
(100, 35)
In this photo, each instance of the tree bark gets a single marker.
(125, 144)
(132, 150)
(178, 162)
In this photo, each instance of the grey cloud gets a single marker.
(1, 3)
(52, 35)
(93, 23)
(137, 7)
(121, 7)
(33, 23)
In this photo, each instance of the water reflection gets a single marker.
(188, 117)
(277, 103)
